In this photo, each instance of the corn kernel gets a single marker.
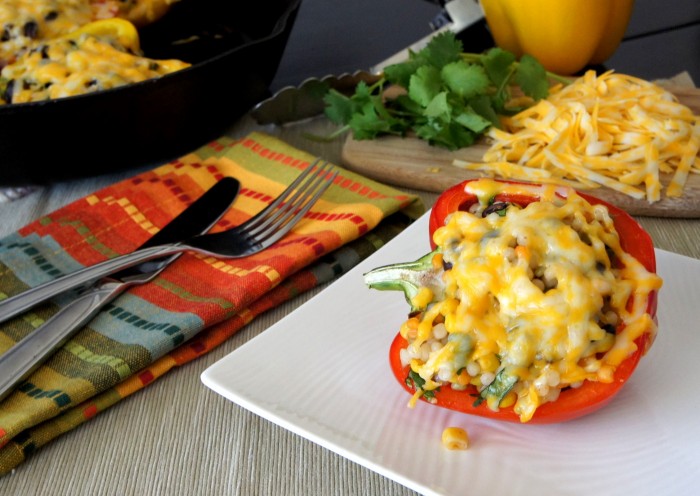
(508, 400)
(523, 252)
(488, 363)
(455, 438)
(409, 329)
(463, 378)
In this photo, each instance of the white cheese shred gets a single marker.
(611, 130)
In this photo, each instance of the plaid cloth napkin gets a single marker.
(196, 303)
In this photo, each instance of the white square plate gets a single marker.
(323, 373)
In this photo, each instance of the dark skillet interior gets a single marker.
(235, 51)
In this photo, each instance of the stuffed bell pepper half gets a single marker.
(535, 305)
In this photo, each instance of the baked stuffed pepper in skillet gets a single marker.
(535, 305)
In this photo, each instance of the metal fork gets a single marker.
(254, 235)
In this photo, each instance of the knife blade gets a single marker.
(195, 219)
(294, 103)
(460, 13)
(24, 357)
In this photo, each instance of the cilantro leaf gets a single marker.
(451, 98)
(497, 63)
(442, 49)
(483, 106)
(465, 80)
(403, 105)
(365, 124)
(472, 121)
(415, 381)
(532, 77)
(364, 112)
(438, 106)
(448, 135)
(400, 74)
(425, 85)
(368, 123)
(499, 388)
(339, 108)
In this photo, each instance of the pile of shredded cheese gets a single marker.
(610, 130)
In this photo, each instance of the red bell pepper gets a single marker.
(572, 402)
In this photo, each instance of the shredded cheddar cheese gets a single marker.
(610, 130)
(532, 300)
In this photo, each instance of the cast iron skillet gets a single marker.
(235, 48)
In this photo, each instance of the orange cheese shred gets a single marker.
(611, 130)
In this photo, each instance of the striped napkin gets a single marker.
(196, 303)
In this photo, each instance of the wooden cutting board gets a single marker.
(412, 163)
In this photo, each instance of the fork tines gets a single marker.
(281, 215)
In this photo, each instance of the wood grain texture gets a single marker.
(412, 163)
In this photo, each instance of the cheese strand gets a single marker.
(610, 130)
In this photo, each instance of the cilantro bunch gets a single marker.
(450, 99)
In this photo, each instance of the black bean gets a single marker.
(6, 33)
(31, 30)
(611, 256)
(498, 207)
(609, 328)
(153, 66)
(585, 238)
(51, 16)
(9, 90)
(44, 52)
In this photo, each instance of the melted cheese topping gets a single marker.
(612, 130)
(38, 63)
(535, 294)
(24, 21)
(65, 67)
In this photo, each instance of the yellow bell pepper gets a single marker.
(119, 29)
(144, 12)
(564, 35)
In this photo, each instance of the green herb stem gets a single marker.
(477, 58)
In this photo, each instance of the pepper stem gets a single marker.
(408, 277)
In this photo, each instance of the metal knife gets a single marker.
(195, 219)
(460, 14)
(294, 103)
(24, 357)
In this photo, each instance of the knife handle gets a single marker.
(24, 357)
(18, 304)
